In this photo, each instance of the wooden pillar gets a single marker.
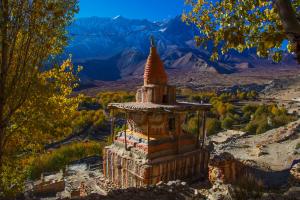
(198, 130)
(112, 130)
(178, 132)
(203, 128)
(196, 167)
(125, 131)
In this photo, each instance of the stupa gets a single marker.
(153, 146)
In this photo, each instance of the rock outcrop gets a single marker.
(294, 178)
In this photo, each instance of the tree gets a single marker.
(227, 122)
(192, 125)
(34, 103)
(213, 126)
(243, 24)
(252, 95)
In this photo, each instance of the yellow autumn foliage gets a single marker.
(239, 25)
(35, 103)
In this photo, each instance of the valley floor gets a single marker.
(202, 80)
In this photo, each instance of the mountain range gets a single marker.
(112, 49)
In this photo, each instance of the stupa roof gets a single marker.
(154, 69)
(150, 107)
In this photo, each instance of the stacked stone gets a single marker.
(295, 175)
(106, 185)
(223, 168)
(162, 191)
(220, 191)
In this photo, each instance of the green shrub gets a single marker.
(247, 116)
(282, 119)
(104, 98)
(59, 158)
(252, 95)
(192, 125)
(251, 128)
(249, 108)
(227, 123)
(258, 124)
(262, 109)
(213, 126)
(263, 127)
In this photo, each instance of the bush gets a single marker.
(262, 110)
(259, 124)
(247, 116)
(252, 95)
(281, 120)
(263, 127)
(265, 117)
(59, 158)
(89, 103)
(89, 121)
(251, 128)
(225, 97)
(105, 98)
(249, 108)
(213, 126)
(227, 123)
(192, 125)
(198, 97)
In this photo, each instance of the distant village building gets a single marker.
(153, 146)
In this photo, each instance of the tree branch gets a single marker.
(290, 23)
(288, 16)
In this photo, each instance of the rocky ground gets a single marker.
(274, 150)
(178, 190)
(285, 92)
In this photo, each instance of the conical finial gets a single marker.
(154, 69)
(152, 41)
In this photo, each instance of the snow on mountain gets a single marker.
(114, 48)
(116, 17)
(104, 37)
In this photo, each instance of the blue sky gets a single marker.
(134, 9)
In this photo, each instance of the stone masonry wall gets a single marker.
(127, 171)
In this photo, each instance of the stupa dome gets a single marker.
(154, 73)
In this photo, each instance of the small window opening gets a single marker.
(172, 124)
(165, 99)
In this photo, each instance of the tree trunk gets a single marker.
(290, 23)
(3, 69)
(1, 154)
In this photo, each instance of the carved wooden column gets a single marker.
(203, 127)
(112, 130)
(178, 130)
(198, 130)
(125, 130)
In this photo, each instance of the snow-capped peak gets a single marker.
(163, 29)
(117, 17)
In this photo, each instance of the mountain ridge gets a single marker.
(115, 48)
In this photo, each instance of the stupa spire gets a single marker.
(154, 73)
(152, 41)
